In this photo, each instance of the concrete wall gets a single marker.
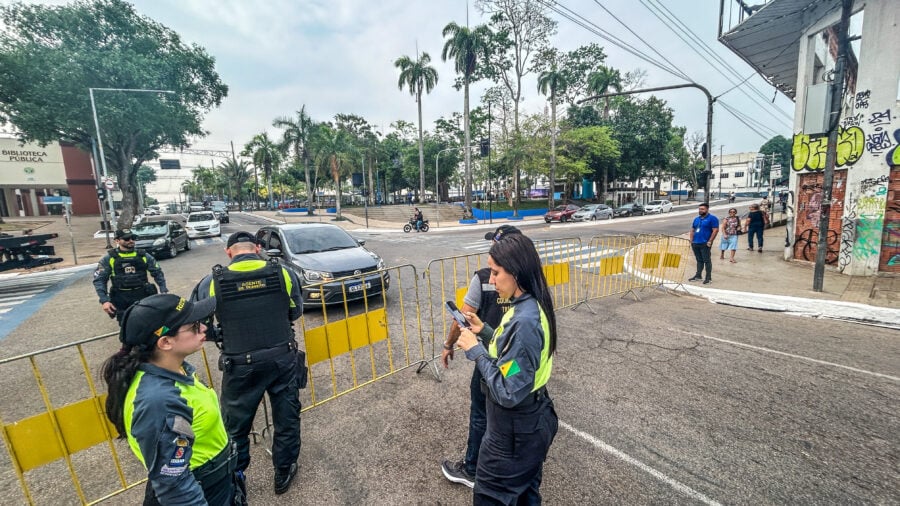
(861, 237)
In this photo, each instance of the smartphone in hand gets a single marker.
(457, 314)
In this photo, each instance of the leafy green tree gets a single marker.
(605, 80)
(781, 148)
(237, 173)
(265, 155)
(51, 54)
(643, 129)
(577, 66)
(521, 29)
(418, 76)
(588, 150)
(552, 82)
(335, 155)
(296, 137)
(465, 47)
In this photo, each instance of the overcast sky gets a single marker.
(336, 56)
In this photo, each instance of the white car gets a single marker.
(593, 212)
(203, 224)
(658, 206)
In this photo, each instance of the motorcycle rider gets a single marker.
(417, 216)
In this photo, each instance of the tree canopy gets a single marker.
(51, 55)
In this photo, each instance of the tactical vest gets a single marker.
(492, 305)
(252, 306)
(129, 270)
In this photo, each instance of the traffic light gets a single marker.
(101, 194)
(485, 146)
(703, 151)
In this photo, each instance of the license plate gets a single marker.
(358, 287)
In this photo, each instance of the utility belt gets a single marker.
(228, 361)
(538, 396)
(146, 290)
(217, 468)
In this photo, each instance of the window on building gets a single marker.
(725, 175)
(738, 174)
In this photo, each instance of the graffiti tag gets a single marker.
(862, 99)
(808, 152)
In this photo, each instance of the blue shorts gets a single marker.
(729, 243)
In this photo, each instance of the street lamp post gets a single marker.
(109, 200)
(437, 192)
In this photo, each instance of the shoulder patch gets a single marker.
(510, 368)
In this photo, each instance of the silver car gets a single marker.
(320, 254)
(593, 212)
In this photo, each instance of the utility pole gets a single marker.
(721, 148)
(490, 181)
(837, 95)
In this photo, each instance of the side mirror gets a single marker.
(274, 252)
(361, 242)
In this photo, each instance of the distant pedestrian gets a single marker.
(703, 231)
(755, 223)
(731, 198)
(764, 204)
(731, 226)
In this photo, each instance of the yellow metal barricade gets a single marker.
(365, 337)
(560, 259)
(58, 427)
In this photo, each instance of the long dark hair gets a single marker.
(118, 372)
(516, 254)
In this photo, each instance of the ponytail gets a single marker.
(118, 371)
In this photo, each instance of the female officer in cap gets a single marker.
(171, 419)
(521, 421)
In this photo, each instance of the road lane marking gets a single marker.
(792, 355)
(677, 485)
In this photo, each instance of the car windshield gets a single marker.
(559, 208)
(589, 208)
(201, 217)
(655, 203)
(627, 206)
(150, 229)
(315, 240)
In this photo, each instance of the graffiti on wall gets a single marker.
(859, 132)
(889, 257)
(848, 235)
(809, 212)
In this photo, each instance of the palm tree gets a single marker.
(600, 83)
(334, 150)
(265, 154)
(297, 133)
(465, 47)
(236, 173)
(553, 82)
(418, 77)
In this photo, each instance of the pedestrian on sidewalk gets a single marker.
(516, 365)
(703, 232)
(731, 227)
(127, 269)
(755, 223)
(483, 299)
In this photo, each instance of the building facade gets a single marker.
(34, 177)
(794, 45)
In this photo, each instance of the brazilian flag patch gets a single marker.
(510, 368)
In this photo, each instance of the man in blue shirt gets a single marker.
(703, 233)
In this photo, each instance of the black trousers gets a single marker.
(124, 300)
(243, 388)
(511, 460)
(702, 254)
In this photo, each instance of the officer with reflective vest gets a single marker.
(127, 269)
(256, 302)
(521, 420)
(482, 299)
(170, 418)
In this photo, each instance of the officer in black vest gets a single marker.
(481, 298)
(127, 268)
(256, 302)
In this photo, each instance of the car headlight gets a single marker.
(188, 227)
(380, 264)
(316, 276)
(159, 242)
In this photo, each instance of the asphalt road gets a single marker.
(669, 400)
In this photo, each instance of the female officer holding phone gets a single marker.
(521, 421)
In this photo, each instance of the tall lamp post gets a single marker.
(109, 200)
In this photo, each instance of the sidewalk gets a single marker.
(762, 280)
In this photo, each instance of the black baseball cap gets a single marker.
(124, 233)
(157, 315)
(500, 232)
(241, 237)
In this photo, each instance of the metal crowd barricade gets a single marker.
(560, 259)
(355, 343)
(60, 427)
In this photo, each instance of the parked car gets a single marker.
(593, 212)
(320, 254)
(631, 209)
(194, 207)
(151, 212)
(658, 206)
(221, 211)
(161, 238)
(203, 224)
(561, 213)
